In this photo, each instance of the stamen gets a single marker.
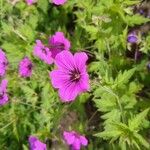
(75, 75)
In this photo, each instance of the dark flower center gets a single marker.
(44, 51)
(58, 45)
(1, 95)
(5, 63)
(29, 66)
(75, 75)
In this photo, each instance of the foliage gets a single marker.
(119, 84)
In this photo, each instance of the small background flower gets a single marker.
(132, 38)
(75, 140)
(25, 67)
(30, 2)
(59, 2)
(43, 52)
(36, 144)
(3, 92)
(3, 63)
(58, 43)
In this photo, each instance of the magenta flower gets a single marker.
(3, 92)
(71, 77)
(3, 63)
(30, 2)
(43, 52)
(25, 67)
(74, 140)
(59, 2)
(58, 43)
(35, 144)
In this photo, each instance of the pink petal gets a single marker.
(57, 43)
(83, 140)
(84, 83)
(59, 36)
(76, 145)
(69, 137)
(58, 2)
(59, 78)
(40, 145)
(80, 60)
(30, 2)
(65, 60)
(3, 85)
(68, 92)
(4, 100)
(36, 144)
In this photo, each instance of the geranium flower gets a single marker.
(59, 2)
(132, 38)
(25, 67)
(3, 63)
(74, 140)
(30, 2)
(35, 144)
(43, 52)
(58, 43)
(71, 77)
(3, 92)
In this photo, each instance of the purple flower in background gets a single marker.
(59, 2)
(132, 38)
(30, 2)
(43, 52)
(35, 144)
(3, 92)
(58, 43)
(74, 140)
(71, 77)
(3, 63)
(141, 11)
(25, 67)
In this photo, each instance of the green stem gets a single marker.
(7, 125)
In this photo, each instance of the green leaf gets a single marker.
(6, 28)
(30, 95)
(124, 77)
(130, 2)
(112, 116)
(33, 21)
(136, 122)
(106, 103)
(92, 30)
(136, 20)
(122, 143)
(108, 134)
(142, 141)
(27, 31)
(14, 54)
(43, 5)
